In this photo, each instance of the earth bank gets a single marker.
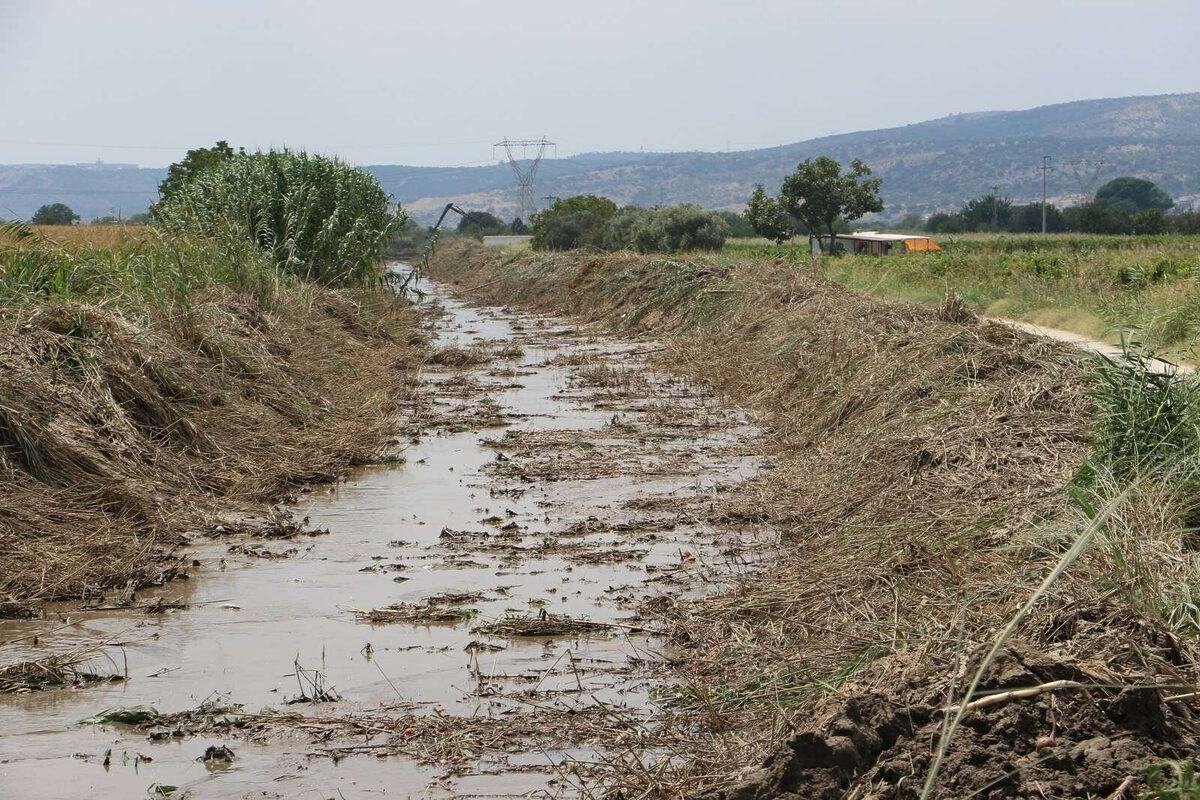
(921, 465)
(128, 414)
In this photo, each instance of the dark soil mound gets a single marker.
(1087, 741)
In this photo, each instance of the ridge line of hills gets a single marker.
(927, 166)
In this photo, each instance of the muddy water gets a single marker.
(580, 503)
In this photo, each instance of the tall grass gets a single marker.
(1149, 418)
(317, 217)
(1093, 286)
(149, 266)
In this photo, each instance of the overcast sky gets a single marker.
(436, 82)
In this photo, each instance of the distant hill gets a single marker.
(92, 190)
(926, 166)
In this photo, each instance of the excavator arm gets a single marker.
(449, 207)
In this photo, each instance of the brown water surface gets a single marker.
(250, 619)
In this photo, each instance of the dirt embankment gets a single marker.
(119, 430)
(920, 464)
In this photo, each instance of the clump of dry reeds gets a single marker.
(416, 613)
(76, 666)
(452, 356)
(543, 624)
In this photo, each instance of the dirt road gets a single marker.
(1091, 345)
(460, 622)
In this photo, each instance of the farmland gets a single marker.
(1096, 286)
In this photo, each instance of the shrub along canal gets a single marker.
(463, 620)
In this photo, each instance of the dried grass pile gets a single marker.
(128, 413)
(921, 463)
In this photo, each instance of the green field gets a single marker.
(1096, 286)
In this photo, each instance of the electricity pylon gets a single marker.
(525, 174)
(1087, 180)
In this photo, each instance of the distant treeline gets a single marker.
(588, 221)
(597, 222)
(1129, 206)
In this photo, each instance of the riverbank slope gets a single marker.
(923, 465)
(152, 383)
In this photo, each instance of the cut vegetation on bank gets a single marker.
(156, 376)
(929, 474)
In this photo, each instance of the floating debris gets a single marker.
(122, 715)
(542, 625)
(415, 613)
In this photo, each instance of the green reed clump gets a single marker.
(319, 218)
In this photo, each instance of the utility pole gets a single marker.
(1045, 168)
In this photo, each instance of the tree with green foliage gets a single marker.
(767, 217)
(739, 227)
(1028, 219)
(1150, 222)
(196, 161)
(566, 231)
(480, 223)
(819, 194)
(620, 229)
(54, 214)
(944, 222)
(677, 228)
(911, 221)
(1097, 218)
(518, 227)
(1130, 195)
(572, 222)
(1185, 222)
(987, 213)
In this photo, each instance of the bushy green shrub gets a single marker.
(478, 224)
(618, 233)
(319, 218)
(682, 227)
(569, 231)
(587, 221)
(1151, 222)
(588, 215)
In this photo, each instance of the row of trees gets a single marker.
(62, 214)
(1125, 205)
(591, 221)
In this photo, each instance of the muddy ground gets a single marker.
(468, 620)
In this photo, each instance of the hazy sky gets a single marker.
(436, 82)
